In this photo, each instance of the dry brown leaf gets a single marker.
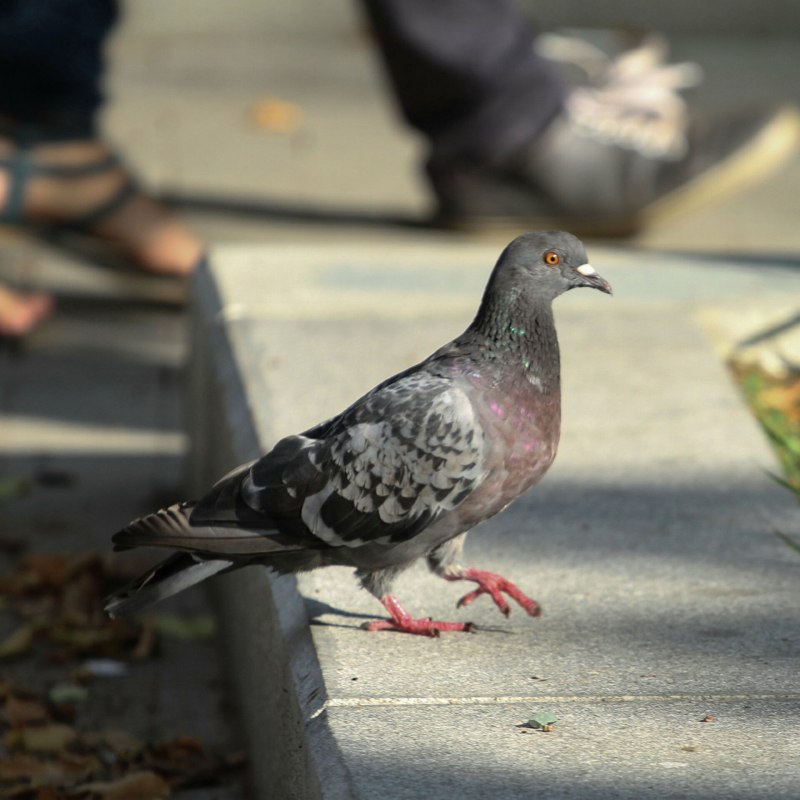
(19, 642)
(59, 599)
(22, 765)
(182, 755)
(22, 710)
(50, 738)
(135, 786)
(36, 772)
(124, 745)
(46, 569)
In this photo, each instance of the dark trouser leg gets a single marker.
(466, 75)
(51, 62)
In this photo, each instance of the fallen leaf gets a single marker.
(62, 693)
(50, 738)
(276, 115)
(46, 569)
(135, 786)
(36, 773)
(22, 765)
(122, 744)
(19, 642)
(24, 710)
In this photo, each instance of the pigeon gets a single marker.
(403, 473)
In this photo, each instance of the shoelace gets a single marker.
(631, 101)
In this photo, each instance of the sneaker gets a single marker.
(623, 154)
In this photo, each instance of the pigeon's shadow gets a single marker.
(316, 609)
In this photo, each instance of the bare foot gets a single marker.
(152, 235)
(21, 313)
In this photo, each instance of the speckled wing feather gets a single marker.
(382, 471)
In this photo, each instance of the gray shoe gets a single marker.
(573, 179)
(623, 153)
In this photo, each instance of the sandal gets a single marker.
(154, 238)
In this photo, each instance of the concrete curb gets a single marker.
(276, 675)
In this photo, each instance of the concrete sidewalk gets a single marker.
(652, 544)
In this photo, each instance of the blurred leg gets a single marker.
(466, 75)
(53, 166)
(511, 146)
(51, 62)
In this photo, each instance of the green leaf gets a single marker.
(13, 487)
(787, 540)
(63, 693)
(200, 626)
(19, 642)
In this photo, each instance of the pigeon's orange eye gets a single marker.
(551, 258)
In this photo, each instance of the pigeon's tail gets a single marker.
(173, 575)
(168, 527)
(206, 550)
(175, 527)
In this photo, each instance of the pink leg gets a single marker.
(493, 584)
(403, 621)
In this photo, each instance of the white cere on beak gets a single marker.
(586, 270)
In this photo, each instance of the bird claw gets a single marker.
(403, 622)
(420, 627)
(494, 585)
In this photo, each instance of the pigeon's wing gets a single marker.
(408, 452)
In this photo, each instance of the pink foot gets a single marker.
(21, 313)
(493, 584)
(403, 621)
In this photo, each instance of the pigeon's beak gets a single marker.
(587, 275)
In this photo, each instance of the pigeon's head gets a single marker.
(548, 263)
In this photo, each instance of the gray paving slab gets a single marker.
(631, 749)
(651, 544)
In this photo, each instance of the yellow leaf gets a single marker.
(19, 642)
(276, 115)
(50, 738)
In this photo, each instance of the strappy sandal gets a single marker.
(22, 166)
